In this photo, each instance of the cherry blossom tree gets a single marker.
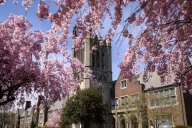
(27, 65)
(54, 120)
(163, 42)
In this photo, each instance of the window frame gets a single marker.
(121, 84)
(131, 96)
(167, 120)
(41, 116)
(163, 94)
(116, 103)
(123, 104)
(40, 124)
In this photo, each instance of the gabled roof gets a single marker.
(154, 80)
(57, 105)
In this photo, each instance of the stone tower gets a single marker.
(100, 62)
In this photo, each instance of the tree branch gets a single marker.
(7, 101)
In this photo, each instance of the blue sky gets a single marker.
(8, 8)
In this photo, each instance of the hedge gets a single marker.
(182, 126)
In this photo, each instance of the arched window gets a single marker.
(93, 59)
(102, 60)
(98, 59)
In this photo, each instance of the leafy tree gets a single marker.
(163, 39)
(32, 125)
(84, 107)
(26, 65)
(135, 110)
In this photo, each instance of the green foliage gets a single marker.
(138, 104)
(182, 126)
(86, 106)
(134, 120)
(32, 125)
(122, 119)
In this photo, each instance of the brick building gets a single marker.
(166, 104)
(122, 92)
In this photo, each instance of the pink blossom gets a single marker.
(15, 2)
(54, 120)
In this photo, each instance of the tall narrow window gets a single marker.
(134, 98)
(41, 116)
(98, 59)
(123, 84)
(93, 58)
(40, 124)
(82, 56)
(79, 55)
(165, 121)
(124, 101)
(114, 103)
(75, 53)
(103, 60)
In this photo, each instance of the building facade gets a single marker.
(133, 104)
(156, 105)
(100, 63)
(24, 116)
(124, 92)
(39, 114)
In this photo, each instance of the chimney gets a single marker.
(27, 105)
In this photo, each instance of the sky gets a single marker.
(44, 25)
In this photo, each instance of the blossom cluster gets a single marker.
(55, 119)
(26, 57)
(165, 45)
